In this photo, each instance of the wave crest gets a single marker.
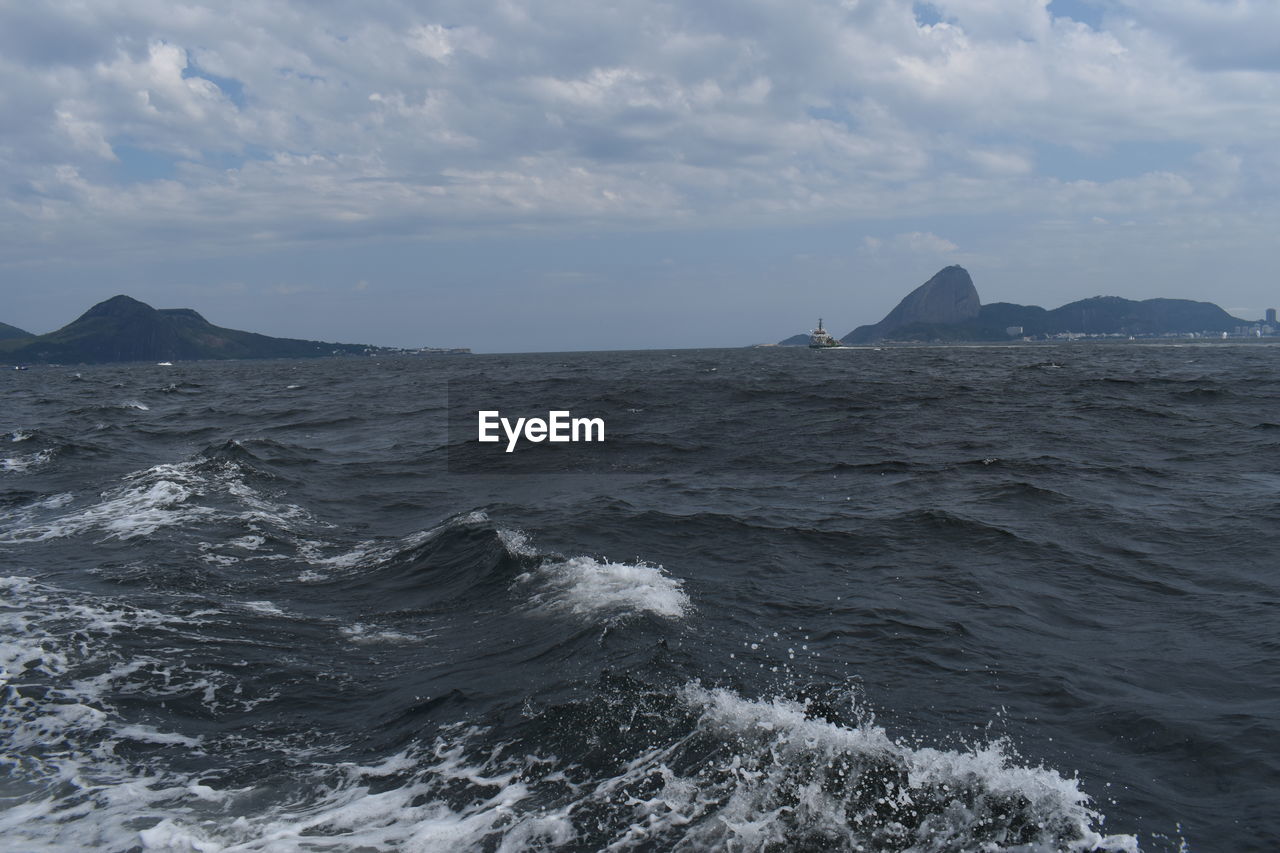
(588, 587)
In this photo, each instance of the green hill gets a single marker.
(124, 329)
(8, 333)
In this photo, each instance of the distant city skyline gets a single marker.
(569, 175)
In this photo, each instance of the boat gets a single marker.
(821, 339)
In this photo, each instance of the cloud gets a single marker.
(924, 243)
(1214, 34)
(290, 124)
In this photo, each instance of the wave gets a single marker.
(586, 587)
(104, 409)
(81, 772)
(463, 558)
(183, 387)
(20, 464)
(38, 447)
(167, 496)
(1201, 394)
(267, 457)
(469, 559)
(693, 768)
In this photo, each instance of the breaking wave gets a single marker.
(587, 587)
(164, 496)
(692, 769)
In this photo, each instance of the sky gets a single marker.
(513, 175)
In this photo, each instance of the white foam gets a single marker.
(149, 734)
(21, 517)
(956, 792)
(67, 786)
(165, 496)
(781, 777)
(24, 463)
(136, 510)
(587, 587)
(264, 607)
(516, 542)
(363, 635)
(366, 552)
(347, 816)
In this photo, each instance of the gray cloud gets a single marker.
(143, 130)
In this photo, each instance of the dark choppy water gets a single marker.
(911, 599)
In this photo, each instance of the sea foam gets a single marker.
(751, 775)
(18, 464)
(160, 497)
(591, 588)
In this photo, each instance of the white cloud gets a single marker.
(1215, 34)
(999, 20)
(84, 134)
(924, 243)
(291, 123)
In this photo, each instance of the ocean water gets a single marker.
(933, 599)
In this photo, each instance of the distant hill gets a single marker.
(1099, 315)
(1113, 315)
(8, 332)
(947, 308)
(124, 329)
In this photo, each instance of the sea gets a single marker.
(1015, 598)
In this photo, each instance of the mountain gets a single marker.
(1112, 314)
(8, 332)
(946, 299)
(124, 329)
(1099, 315)
(947, 308)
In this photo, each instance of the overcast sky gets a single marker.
(588, 174)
